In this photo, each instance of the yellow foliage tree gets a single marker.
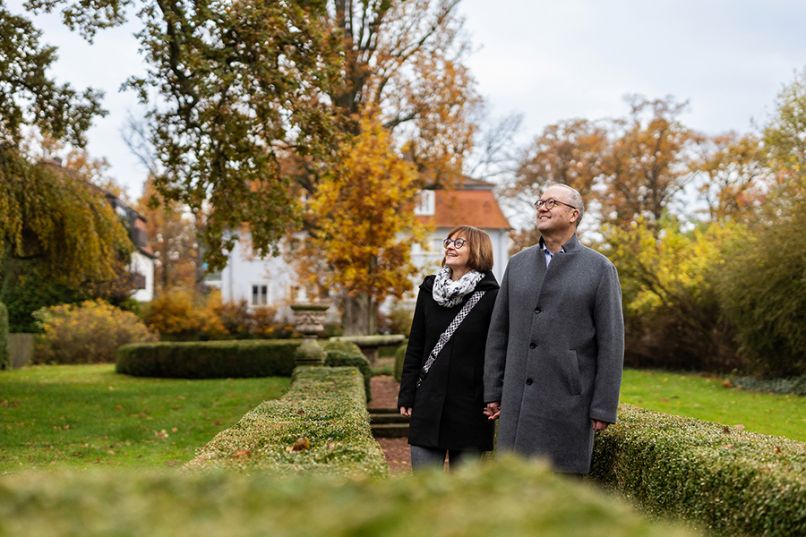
(364, 225)
(668, 278)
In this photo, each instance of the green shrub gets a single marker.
(732, 481)
(762, 286)
(320, 425)
(5, 361)
(507, 498)
(208, 359)
(400, 355)
(793, 385)
(30, 290)
(89, 332)
(346, 354)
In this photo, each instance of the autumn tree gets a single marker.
(239, 88)
(365, 224)
(172, 237)
(58, 235)
(669, 283)
(646, 162)
(568, 152)
(732, 174)
(783, 135)
(763, 283)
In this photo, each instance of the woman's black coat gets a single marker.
(447, 407)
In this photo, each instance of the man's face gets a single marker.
(561, 217)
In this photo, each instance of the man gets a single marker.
(555, 348)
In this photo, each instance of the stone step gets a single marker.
(387, 418)
(390, 430)
(383, 411)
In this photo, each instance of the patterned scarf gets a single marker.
(448, 293)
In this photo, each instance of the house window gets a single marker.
(425, 204)
(260, 295)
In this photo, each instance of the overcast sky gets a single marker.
(547, 59)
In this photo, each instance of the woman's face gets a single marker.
(457, 257)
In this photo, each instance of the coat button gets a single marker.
(537, 310)
(529, 381)
(532, 345)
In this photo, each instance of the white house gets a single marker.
(272, 281)
(141, 263)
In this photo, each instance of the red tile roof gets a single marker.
(477, 208)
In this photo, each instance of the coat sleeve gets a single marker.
(413, 361)
(609, 323)
(495, 352)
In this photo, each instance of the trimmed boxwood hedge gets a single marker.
(230, 359)
(320, 424)
(732, 481)
(208, 359)
(400, 356)
(508, 497)
(347, 354)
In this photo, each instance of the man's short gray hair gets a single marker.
(576, 199)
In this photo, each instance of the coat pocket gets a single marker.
(572, 369)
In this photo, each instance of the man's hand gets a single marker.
(405, 411)
(492, 410)
(599, 425)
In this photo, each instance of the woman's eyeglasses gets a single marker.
(457, 243)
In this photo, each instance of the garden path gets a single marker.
(396, 450)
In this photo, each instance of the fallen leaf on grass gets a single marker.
(301, 444)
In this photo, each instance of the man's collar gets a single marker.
(570, 245)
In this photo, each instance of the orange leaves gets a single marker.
(364, 216)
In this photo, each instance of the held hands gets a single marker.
(492, 410)
(405, 411)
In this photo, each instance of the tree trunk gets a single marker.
(360, 314)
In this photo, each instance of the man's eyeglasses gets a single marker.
(457, 243)
(551, 203)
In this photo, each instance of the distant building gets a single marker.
(141, 264)
(273, 282)
(473, 203)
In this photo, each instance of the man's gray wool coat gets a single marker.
(554, 353)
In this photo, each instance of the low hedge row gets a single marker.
(346, 354)
(507, 497)
(230, 359)
(377, 340)
(320, 424)
(400, 356)
(732, 481)
(208, 359)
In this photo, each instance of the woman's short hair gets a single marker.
(481, 247)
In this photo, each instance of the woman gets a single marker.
(446, 409)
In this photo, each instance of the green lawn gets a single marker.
(707, 398)
(89, 415)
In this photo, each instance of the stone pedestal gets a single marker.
(308, 319)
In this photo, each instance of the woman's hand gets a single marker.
(493, 410)
(405, 411)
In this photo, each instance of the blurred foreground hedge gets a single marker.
(506, 498)
(733, 482)
(321, 425)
